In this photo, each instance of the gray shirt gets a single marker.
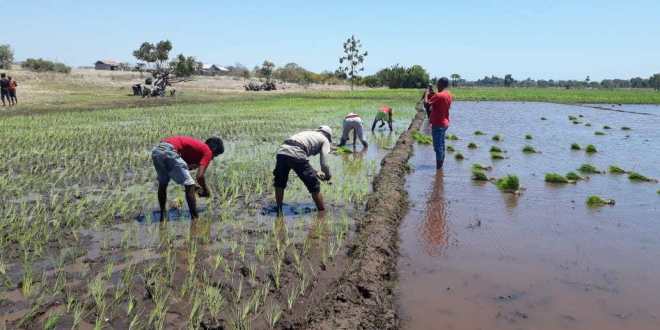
(306, 144)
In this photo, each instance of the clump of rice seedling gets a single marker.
(345, 150)
(497, 138)
(575, 146)
(422, 138)
(450, 148)
(529, 137)
(599, 133)
(576, 122)
(459, 156)
(509, 183)
(529, 149)
(595, 201)
(634, 176)
(625, 128)
(590, 149)
(472, 145)
(479, 133)
(555, 178)
(543, 118)
(616, 170)
(572, 118)
(496, 156)
(495, 149)
(588, 168)
(479, 167)
(452, 137)
(607, 127)
(478, 175)
(587, 124)
(572, 176)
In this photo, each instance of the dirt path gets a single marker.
(363, 298)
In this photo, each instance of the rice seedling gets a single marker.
(292, 297)
(472, 145)
(555, 178)
(575, 146)
(450, 148)
(572, 118)
(422, 138)
(590, 149)
(452, 137)
(51, 321)
(529, 149)
(479, 175)
(574, 177)
(607, 127)
(581, 116)
(214, 301)
(343, 150)
(577, 122)
(509, 183)
(589, 169)
(543, 118)
(596, 201)
(616, 170)
(634, 176)
(625, 128)
(479, 133)
(529, 137)
(273, 314)
(587, 124)
(459, 156)
(480, 167)
(599, 133)
(497, 138)
(495, 149)
(496, 156)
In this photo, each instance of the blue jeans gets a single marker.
(438, 134)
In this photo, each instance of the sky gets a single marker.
(559, 39)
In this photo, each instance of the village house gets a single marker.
(106, 65)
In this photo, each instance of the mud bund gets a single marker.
(363, 297)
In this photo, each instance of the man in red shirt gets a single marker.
(440, 103)
(173, 159)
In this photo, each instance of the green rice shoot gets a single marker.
(595, 201)
(555, 178)
(634, 176)
(575, 146)
(497, 138)
(422, 138)
(572, 176)
(589, 169)
(590, 149)
(616, 170)
(529, 149)
(479, 175)
(459, 156)
(509, 183)
(472, 145)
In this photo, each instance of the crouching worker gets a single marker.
(384, 115)
(352, 122)
(293, 155)
(173, 159)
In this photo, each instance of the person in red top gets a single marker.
(384, 115)
(439, 103)
(173, 159)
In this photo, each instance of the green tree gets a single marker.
(6, 56)
(185, 66)
(455, 78)
(508, 80)
(146, 53)
(266, 69)
(352, 63)
(162, 50)
(654, 81)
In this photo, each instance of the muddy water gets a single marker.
(473, 257)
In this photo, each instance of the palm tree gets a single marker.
(455, 77)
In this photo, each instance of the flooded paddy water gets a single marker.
(473, 257)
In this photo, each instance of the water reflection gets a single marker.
(434, 228)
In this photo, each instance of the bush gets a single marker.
(41, 65)
(372, 81)
(6, 57)
(401, 77)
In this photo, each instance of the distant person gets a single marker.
(384, 115)
(12, 91)
(353, 122)
(4, 89)
(427, 107)
(293, 155)
(440, 103)
(173, 159)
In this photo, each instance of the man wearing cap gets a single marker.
(352, 122)
(293, 155)
(173, 159)
(384, 115)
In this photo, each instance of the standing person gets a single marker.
(12, 91)
(173, 159)
(353, 122)
(293, 155)
(440, 103)
(384, 115)
(4, 89)
(426, 106)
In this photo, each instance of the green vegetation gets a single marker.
(452, 137)
(450, 148)
(352, 63)
(495, 149)
(529, 149)
(41, 65)
(343, 150)
(479, 133)
(459, 156)
(497, 138)
(599, 133)
(607, 127)
(479, 167)
(496, 156)
(587, 124)
(422, 138)
(555, 178)
(590, 149)
(575, 146)
(529, 137)
(572, 176)
(509, 183)
(595, 201)
(577, 122)
(472, 145)
(479, 175)
(625, 128)
(616, 170)
(634, 176)
(572, 118)
(589, 169)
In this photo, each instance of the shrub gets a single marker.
(41, 65)
(588, 168)
(497, 138)
(508, 183)
(398, 76)
(529, 149)
(594, 201)
(616, 170)
(422, 138)
(555, 178)
(572, 176)
(472, 145)
(495, 149)
(459, 156)
(479, 175)
(575, 146)
(372, 81)
(590, 149)
(634, 176)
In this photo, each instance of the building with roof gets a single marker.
(106, 65)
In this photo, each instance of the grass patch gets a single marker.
(422, 138)
(572, 176)
(589, 169)
(599, 133)
(616, 170)
(595, 201)
(472, 145)
(575, 146)
(529, 149)
(479, 167)
(497, 138)
(450, 148)
(634, 176)
(509, 183)
(555, 178)
(590, 149)
(529, 137)
(479, 133)
(459, 156)
(495, 149)
(479, 175)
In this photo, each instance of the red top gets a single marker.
(193, 151)
(386, 109)
(440, 104)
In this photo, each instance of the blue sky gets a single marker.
(558, 39)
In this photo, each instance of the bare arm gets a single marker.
(325, 151)
(202, 182)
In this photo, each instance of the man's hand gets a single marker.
(321, 176)
(201, 191)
